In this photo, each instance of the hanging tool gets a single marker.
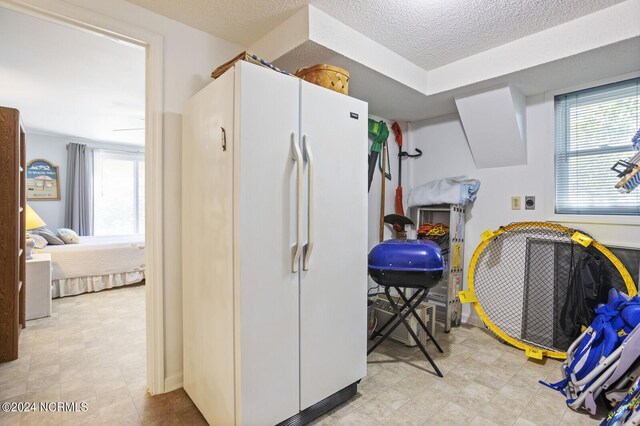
(379, 131)
(398, 133)
(387, 172)
(382, 190)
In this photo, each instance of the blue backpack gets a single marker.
(613, 321)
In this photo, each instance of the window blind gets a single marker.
(593, 129)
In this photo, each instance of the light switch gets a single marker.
(516, 202)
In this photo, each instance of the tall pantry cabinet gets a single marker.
(274, 203)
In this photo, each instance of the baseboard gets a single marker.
(172, 383)
(318, 409)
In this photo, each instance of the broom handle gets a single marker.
(382, 190)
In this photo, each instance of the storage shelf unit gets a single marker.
(12, 232)
(445, 294)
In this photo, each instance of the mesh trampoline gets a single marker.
(519, 278)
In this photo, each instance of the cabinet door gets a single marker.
(265, 225)
(207, 250)
(333, 289)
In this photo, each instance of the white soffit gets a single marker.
(386, 97)
(399, 89)
(494, 123)
(313, 25)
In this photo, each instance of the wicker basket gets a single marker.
(329, 76)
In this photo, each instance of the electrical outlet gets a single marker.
(529, 202)
(516, 203)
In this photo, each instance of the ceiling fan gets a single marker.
(129, 129)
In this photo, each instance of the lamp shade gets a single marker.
(33, 220)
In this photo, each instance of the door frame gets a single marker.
(76, 17)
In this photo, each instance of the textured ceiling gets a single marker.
(429, 33)
(70, 82)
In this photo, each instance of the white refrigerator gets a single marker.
(274, 248)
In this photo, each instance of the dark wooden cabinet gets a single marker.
(12, 232)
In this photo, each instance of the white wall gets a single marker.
(189, 57)
(53, 148)
(447, 154)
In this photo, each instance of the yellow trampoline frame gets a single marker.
(469, 296)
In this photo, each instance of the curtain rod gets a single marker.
(117, 150)
(96, 148)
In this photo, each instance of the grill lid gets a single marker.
(407, 255)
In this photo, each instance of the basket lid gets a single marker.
(407, 255)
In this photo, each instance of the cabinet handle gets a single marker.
(309, 246)
(224, 139)
(297, 157)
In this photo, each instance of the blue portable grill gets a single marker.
(415, 264)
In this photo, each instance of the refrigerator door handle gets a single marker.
(297, 157)
(309, 246)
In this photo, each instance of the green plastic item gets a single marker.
(379, 131)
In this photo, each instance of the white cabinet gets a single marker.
(274, 204)
(38, 275)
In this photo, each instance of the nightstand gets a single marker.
(38, 286)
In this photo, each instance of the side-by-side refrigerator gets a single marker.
(274, 248)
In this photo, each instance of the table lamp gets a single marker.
(33, 221)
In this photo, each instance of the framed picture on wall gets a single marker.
(43, 181)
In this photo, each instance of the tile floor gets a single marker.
(485, 383)
(93, 349)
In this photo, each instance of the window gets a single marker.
(118, 193)
(593, 129)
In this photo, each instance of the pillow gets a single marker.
(39, 240)
(48, 235)
(67, 235)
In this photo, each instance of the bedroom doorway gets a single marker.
(147, 206)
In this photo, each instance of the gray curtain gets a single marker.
(78, 214)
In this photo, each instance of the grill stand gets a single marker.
(421, 294)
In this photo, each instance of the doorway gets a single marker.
(151, 44)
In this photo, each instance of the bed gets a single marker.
(96, 263)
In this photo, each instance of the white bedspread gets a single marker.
(96, 263)
(94, 256)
